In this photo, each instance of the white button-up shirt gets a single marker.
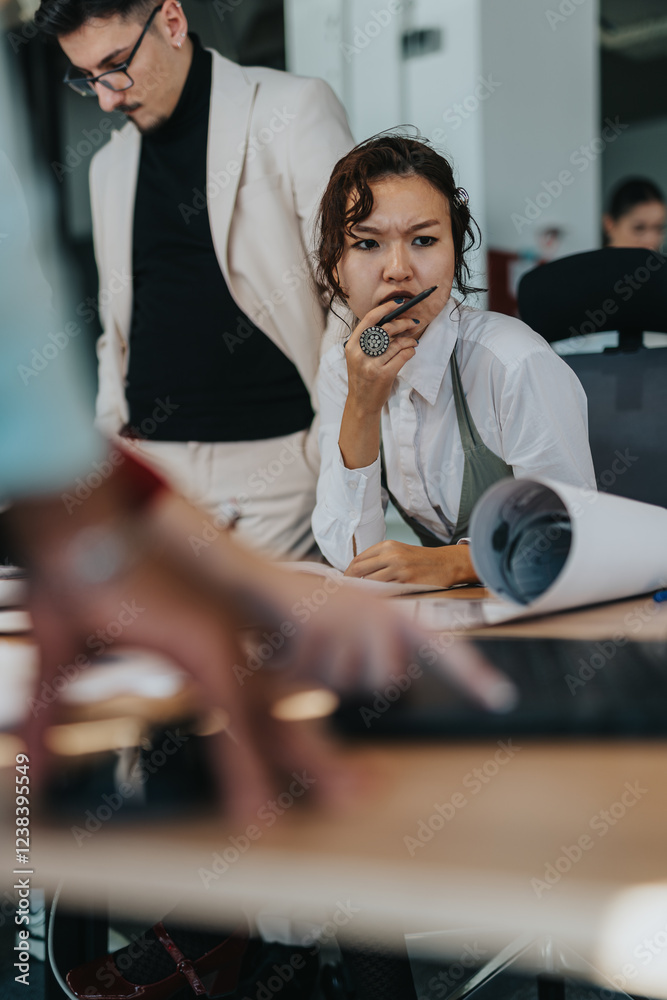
(528, 406)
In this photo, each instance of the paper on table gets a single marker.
(13, 621)
(8, 572)
(441, 614)
(13, 593)
(18, 670)
(371, 586)
(13, 586)
(128, 672)
(542, 546)
(618, 547)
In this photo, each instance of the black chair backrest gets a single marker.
(612, 289)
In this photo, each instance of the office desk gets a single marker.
(485, 865)
(637, 618)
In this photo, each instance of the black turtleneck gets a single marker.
(221, 388)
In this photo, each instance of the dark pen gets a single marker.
(404, 306)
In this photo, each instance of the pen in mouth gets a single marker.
(406, 305)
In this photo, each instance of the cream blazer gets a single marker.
(273, 140)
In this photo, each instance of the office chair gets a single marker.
(626, 386)
(371, 971)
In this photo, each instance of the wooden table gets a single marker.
(565, 839)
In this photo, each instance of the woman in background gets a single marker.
(635, 218)
(636, 215)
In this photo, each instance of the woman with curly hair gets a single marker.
(451, 400)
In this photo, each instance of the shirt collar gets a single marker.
(425, 371)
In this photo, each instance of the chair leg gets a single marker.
(379, 973)
(77, 938)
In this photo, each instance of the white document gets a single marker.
(127, 672)
(569, 546)
(13, 620)
(370, 586)
(19, 668)
(13, 587)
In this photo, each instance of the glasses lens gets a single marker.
(116, 80)
(82, 86)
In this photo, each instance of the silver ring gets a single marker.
(374, 341)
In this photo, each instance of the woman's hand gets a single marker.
(390, 561)
(370, 379)
(369, 383)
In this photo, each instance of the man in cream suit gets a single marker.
(207, 198)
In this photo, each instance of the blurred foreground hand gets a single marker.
(195, 603)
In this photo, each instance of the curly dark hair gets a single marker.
(386, 155)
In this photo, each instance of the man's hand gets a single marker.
(173, 615)
(194, 608)
(443, 566)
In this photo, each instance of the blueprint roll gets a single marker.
(545, 546)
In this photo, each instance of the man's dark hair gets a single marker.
(61, 17)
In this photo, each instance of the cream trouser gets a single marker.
(270, 481)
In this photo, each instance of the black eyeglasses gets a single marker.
(113, 79)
